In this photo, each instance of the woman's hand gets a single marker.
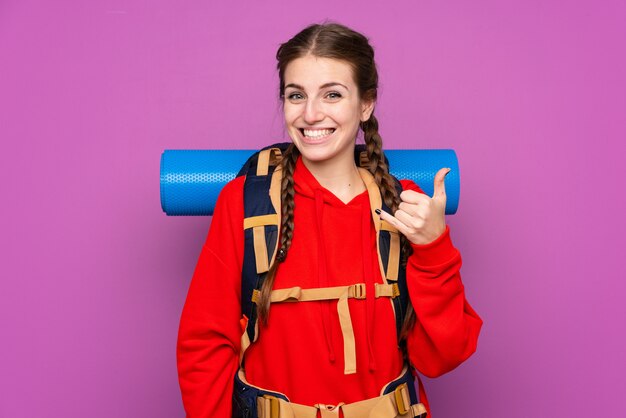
(421, 218)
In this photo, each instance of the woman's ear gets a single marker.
(367, 107)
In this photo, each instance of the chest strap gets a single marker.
(342, 294)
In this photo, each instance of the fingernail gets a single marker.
(377, 211)
(449, 169)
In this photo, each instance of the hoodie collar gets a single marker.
(307, 185)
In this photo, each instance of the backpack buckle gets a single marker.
(358, 290)
(403, 402)
(274, 407)
(395, 290)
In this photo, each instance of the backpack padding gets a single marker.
(261, 199)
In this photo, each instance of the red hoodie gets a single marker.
(300, 352)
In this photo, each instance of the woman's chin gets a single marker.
(315, 156)
(315, 150)
(326, 155)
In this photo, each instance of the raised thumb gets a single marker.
(439, 183)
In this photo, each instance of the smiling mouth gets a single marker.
(316, 133)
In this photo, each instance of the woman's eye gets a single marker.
(299, 96)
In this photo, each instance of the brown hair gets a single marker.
(332, 40)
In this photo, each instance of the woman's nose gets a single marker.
(312, 112)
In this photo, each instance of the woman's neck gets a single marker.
(342, 178)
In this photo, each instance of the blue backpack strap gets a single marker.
(261, 223)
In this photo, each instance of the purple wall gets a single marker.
(530, 94)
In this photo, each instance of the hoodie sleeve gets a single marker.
(446, 328)
(209, 333)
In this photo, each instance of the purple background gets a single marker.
(530, 94)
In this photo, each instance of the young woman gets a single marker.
(308, 351)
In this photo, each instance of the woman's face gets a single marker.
(323, 109)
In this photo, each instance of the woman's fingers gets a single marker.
(412, 222)
(414, 210)
(419, 217)
(439, 184)
(400, 226)
(411, 196)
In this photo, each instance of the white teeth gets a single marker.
(317, 133)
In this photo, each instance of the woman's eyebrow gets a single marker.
(323, 86)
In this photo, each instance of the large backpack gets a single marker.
(262, 224)
(262, 203)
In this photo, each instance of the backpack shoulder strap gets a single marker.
(394, 263)
(388, 237)
(261, 227)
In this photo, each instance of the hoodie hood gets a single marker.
(358, 215)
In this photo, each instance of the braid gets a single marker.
(377, 165)
(379, 169)
(286, 229)
(287, 201)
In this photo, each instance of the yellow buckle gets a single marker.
(395, 290)
(359, 290)
(274, 406)
(402, 401)
(256, 294)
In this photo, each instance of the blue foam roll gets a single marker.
(191, 180)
